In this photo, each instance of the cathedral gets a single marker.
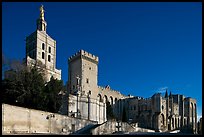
(87, 100)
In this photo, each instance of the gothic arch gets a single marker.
(162, 120)
(116, 100)
(105, 99)
(100, 98)
(172, 123)
(99, 107)
(111, 101)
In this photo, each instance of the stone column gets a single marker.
(104, 112)
(101, 112)
(98, 110)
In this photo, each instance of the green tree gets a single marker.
(51, 95)
(25, 86)
(12, 87)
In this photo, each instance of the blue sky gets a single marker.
(143, 48)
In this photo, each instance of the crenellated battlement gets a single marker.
(85, 54)
(108, 87)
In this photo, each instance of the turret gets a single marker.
(166, 94)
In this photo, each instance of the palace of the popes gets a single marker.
(88, 103)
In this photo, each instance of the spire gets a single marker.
(166, 94)
(41, 23)
(170, 95)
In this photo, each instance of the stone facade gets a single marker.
(89, 101)
(89, 98)
(42, 48)
(163, 113)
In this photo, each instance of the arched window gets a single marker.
(100, 98)
(43, 56)
(105, 99)
(43, 46)
(49, 49)
(111, 100)
(49, 58)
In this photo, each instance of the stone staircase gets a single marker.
(112, 127)
(87, 130)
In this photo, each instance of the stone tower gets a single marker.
(83, 74)
(41, 47)
(83, 83)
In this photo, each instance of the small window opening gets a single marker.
(43, 56)
(49, 58)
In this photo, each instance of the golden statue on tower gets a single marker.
(42, 12)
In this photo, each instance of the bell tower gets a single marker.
(41, 47)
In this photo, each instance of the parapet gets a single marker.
(85, 54)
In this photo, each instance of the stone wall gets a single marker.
(19, 120)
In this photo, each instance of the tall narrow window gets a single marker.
(49, 49)
(43, 46)
(49, 58)
(43, 56)
(87, 80)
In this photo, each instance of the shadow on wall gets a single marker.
(187, 129)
